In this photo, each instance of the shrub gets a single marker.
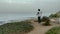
(56, 15)
(54, 30)
(47, 23)
(46, 20)
(16, 27)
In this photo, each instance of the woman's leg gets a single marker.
(39, 19)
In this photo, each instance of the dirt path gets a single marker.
(39, 29)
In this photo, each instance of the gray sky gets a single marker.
(20, 6)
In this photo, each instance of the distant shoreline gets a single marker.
(17, 20)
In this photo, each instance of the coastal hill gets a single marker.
(56, 15)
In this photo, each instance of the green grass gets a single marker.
(54, 30)
(56, 15)
(23, 26)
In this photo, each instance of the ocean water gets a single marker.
(8, 17)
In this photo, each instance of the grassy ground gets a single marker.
(16, 28)
(54, 30)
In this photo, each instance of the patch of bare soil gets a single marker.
(40, 29)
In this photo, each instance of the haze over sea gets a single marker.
(6, 17)
(24, 9)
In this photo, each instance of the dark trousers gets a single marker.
(39, 19)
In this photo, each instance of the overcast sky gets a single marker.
(29, 6)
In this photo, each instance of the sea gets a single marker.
(11, 17)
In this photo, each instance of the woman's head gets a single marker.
(38, 9)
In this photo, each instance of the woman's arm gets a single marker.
(37, 13)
